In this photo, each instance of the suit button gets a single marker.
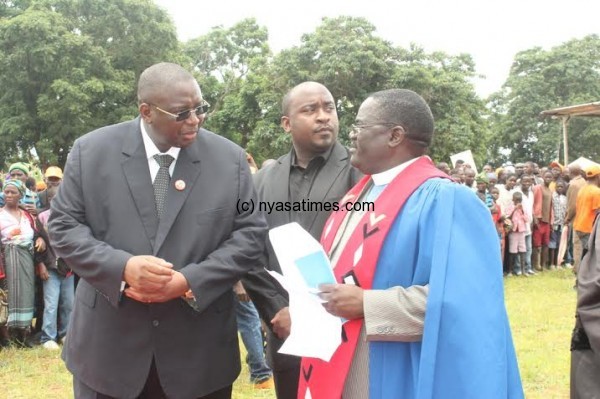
(155, 323)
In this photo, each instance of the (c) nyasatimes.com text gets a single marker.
(303, 206)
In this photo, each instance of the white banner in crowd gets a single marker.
(466, 156)
(584, 163)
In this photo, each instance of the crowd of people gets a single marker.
(162, 250)
(532, 207)
(38, 284)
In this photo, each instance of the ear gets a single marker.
(146, 112)
(397, 136)
(285, 124)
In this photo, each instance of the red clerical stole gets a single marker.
(325, 380)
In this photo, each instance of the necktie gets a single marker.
(161, 181)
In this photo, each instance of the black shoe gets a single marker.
(32, 341)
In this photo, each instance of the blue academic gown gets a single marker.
(444, 237)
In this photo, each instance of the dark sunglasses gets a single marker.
(184, 115)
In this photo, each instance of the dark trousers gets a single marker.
(286, 382)
(584, 374)
(38, 306)
(152, 389)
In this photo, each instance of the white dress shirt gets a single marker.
(152, 150)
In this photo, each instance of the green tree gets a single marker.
(70, 66)
(227, 62)
(11, 8)
(444, 81)
(134, 33)
(539, 79)
(56, 85)
(363, 63)
(350, 68)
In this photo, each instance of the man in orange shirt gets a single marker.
(588, 205)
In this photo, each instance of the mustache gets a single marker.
(191, 131)
(324, 128)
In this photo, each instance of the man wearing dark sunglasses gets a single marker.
(162, 225)
(200, 111)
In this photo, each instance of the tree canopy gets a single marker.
(70, 66)
(539, 79)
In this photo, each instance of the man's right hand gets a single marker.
(147, 273)
(282, 323)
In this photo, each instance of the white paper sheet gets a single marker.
(315, 332)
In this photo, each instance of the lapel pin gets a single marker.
(180, 185)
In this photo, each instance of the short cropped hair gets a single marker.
(157, 77)
(407, 109)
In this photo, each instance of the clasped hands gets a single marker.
(342, 300)
(153, 279)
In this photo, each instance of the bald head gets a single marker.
(157, 78)
(293, 92)
(574, 170)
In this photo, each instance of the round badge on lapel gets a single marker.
(180, 185)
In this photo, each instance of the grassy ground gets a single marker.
(540, 308)
(542, 314)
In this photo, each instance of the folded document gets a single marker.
(315, 332)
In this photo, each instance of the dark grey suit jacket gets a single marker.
(105, 212)
(332, 182)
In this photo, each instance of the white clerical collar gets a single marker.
(387, 176)
(152, 149)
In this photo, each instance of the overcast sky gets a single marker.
(492, 32)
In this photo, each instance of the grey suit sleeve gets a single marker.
(395, 314)
(98, 263)
(266, 294)
(588, 291)
(238, 254)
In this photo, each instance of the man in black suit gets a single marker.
(147, 211)
(316, 169)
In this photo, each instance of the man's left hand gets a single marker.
(282, 323)
(175, 288)
(343, 300)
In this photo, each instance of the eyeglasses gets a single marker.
(184, 115)
(358, 128)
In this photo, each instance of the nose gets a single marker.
(194, 119)
(323, 115)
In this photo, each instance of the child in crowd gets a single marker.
(559, 202)
(516, 238)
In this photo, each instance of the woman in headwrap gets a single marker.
(18, 234)
(29, 199)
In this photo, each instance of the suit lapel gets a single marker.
(187, 170)
(325, 179)
(137, 174)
